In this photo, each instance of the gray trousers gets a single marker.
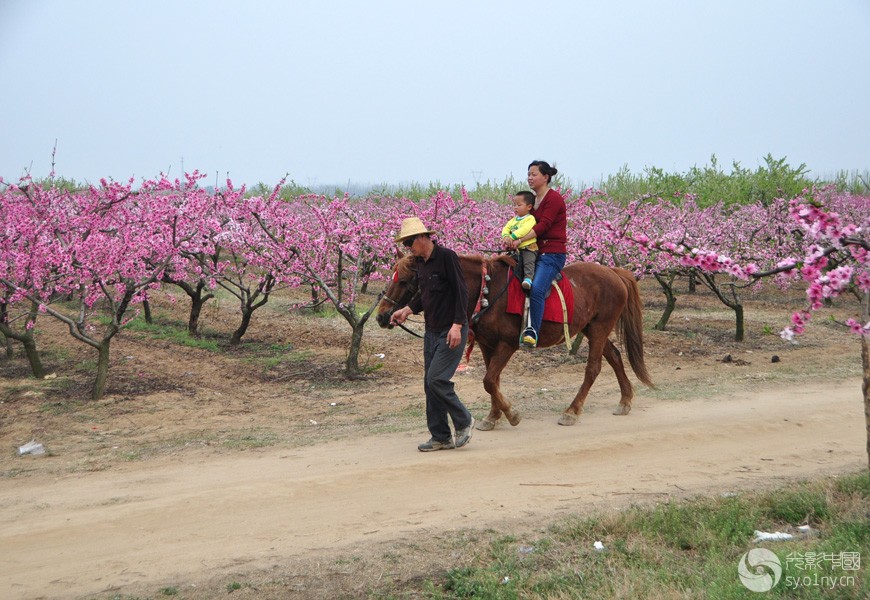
(529, 257)
(439, 364)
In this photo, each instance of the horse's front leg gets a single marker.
(495, 361)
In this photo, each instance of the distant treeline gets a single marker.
(708, 184)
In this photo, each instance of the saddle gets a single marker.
(552, 305)
(516, 303)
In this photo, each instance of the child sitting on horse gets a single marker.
(517, 227)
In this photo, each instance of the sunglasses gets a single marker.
(408, 242)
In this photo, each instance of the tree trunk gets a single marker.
(575, 345)
(865, 388)
(102, 370)
(26, 338)
(243, 327)
(316, 304)
(29, 342)
(667, 286)
(196, 303)
(734, 304)
(33, 356)
(249, 302)
(738, 323)
(7, 342)
(197, 300)
(351, 365)
(146, 306)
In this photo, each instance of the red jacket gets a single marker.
(552, 223)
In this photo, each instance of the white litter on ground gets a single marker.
(776, 536)
(32, 447)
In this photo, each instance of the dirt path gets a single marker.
(150, 522)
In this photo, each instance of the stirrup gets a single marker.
(529, 337)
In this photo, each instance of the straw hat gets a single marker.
(412, 226)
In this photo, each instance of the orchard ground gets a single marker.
(261, 471)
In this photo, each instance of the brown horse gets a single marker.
(603, 298)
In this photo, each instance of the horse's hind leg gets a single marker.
(495, 362)
(614, 358)
(597, 340)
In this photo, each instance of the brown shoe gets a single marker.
(463, 436)
(434, 444)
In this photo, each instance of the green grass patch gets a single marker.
(254, 437)
(64, 407)
(89, 365)
(271, 356)
(687, 549)
(175, 333)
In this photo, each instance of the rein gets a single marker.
(414, 333)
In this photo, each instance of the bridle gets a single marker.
(415, 291)
(413, 288)
(390, 300)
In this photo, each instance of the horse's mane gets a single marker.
(405, 266)
(506, 259)
(503, 258)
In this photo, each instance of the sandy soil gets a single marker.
(196, 466)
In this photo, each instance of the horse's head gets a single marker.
(400, 290)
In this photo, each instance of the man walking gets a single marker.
(443, 298)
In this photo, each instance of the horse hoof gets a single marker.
(514, 417)
(485, 425)
(567, 419)
(622, 409)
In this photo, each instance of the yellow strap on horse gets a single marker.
(564, 316)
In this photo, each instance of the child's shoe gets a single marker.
(527, 284)
(530, 338)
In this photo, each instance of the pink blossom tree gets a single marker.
(339, 245)
(831, 256)
(102, 249)
(835, 260)
(25, 232)
(189, 274)
(677, 239)
(233, 254)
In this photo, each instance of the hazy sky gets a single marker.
(377, 91)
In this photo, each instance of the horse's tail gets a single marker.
(631, 327)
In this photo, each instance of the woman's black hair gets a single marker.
(545, 168)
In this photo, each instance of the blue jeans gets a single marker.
(546, 269)
(439, 364)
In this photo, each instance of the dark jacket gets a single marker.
(443, 295)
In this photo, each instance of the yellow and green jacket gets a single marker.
(517, 228)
